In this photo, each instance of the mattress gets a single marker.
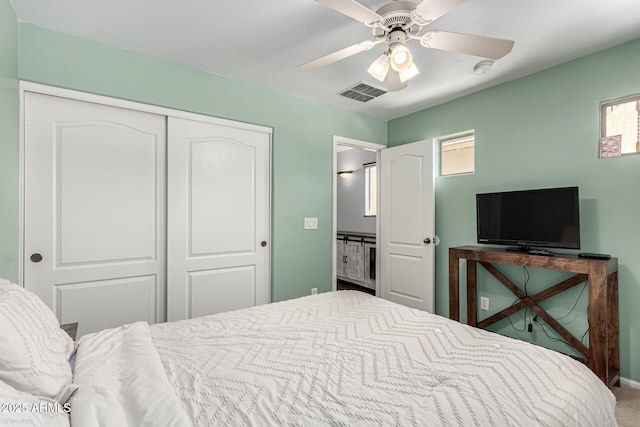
(341, 358)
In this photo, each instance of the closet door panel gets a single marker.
(134, 297)
(222, 170)
(105, 192)
(94, 211)
(221, 290)
(218, 218)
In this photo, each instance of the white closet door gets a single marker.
(407, 225)
(94, 212)
(218, 218)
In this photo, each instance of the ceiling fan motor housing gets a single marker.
(397, 36)
(395, 18)
(396, 14)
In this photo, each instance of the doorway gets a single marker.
(355, 224)
(404, 223)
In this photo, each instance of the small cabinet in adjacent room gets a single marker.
(370, 265)
(356, 259)
(340, 260)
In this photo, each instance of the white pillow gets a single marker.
(19, 408)
(34, 351)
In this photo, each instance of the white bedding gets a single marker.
(121, 382)
(342, 358)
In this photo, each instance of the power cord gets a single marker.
(525, 279)
(549, 336)
(534, 319)
(512, 325)
(584, 335)
(575, 303)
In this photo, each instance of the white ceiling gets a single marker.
(263, 42)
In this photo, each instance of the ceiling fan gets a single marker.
(399, 22)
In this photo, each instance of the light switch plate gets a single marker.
(311, 223)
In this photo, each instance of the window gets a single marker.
(370, 189)
(457, 154)
(622, 117)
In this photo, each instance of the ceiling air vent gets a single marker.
(362, 92)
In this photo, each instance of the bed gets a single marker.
(340, 358)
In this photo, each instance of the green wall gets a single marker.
(9, 126)
(536, 132)
(302, 135)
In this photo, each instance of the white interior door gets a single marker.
(94, 211)
(407, 225)
(218, 218)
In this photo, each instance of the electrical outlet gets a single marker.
(484, 303)
(314, 291)
(311, 223)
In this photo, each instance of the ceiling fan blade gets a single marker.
(486, 47)
(337, 55)
(394, 83)
(352, 9)
(430, 10)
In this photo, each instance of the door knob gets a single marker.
(263, 243)
(35, 258)
(427, 240)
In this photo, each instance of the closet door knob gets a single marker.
(35, 258)
(263, 243)
(427, 240)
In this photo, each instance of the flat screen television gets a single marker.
(547, 217)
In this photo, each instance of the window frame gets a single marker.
(450, 139)
(603, 118)
(369, 189)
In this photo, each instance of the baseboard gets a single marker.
(630, 383)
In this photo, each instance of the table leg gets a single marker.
(472, 294)
(613, 333)
(598, 319)
(454, 286)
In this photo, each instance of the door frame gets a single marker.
(137, 106)
(354, 143)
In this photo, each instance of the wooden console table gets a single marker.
(603, 354)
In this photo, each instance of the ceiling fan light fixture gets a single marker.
(401, 57)
(380, 67)
(409, 73)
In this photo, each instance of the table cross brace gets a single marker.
(526, 301)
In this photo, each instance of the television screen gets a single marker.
(534, 218)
